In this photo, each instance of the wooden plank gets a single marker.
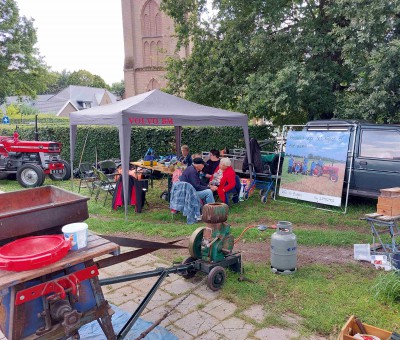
(97, 246)
(373, 215)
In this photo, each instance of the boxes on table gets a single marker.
(351, 328)
(389, 202)
(149, 163)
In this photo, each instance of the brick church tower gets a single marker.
(148, 40)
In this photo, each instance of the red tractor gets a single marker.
(331, 171)
(31, 161)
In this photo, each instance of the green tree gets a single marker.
(118, 88)
(22, 70)
(85, 78)
(290, 61)
(371, 49)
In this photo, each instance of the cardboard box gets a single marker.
(351, 328)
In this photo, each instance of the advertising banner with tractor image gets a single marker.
(314, 166)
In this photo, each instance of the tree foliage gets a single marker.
(56, 81)
(291, 61)
(118, 88)
(22, 70)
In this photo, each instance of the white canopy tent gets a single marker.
(154, 108)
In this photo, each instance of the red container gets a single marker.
(33, 252)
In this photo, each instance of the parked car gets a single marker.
(373, 155)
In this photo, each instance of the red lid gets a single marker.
(33, 252)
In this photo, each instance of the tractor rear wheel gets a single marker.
(333, 177)
(30, 176)
(216, 278)
(64, 175)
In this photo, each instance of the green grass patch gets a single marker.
(324, 296)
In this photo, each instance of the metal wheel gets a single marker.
(195, 243)
(188, 274)
(262, 192)
(64, 175)
(216, 278)
(30, 176)
(264, 199)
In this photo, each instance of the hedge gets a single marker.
(104, 140)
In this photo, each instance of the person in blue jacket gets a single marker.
(186, 157)
(191, 175)
(297, 168)
(312, 168)
(290, 165)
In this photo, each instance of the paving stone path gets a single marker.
(202, 315)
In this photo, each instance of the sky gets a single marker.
(79, 35)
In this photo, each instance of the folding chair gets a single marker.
(86, 176)
(108, 167)
(103, 183)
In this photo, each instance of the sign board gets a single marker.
(314, 166)
(6, 120)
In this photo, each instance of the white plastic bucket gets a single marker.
(362, 252)
(77, 232)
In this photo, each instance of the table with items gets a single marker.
(165, 170)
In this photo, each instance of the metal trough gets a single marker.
(32, 211)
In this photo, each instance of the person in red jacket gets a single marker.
(224, 178)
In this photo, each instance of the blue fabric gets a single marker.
(206, 195)
(190, 175)
(93, 331)
(186, 160)
(184, 198)
(235, 192)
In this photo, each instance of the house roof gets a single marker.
(79, 94)
(74, 95)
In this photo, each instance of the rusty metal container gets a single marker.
(41, 210)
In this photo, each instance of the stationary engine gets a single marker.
(213, 242)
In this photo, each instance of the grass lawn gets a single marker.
(323, 295)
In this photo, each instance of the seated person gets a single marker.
(226, 181)
(191, 175)
(186, 158)
(211, 164)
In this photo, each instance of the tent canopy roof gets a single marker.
(157, 108)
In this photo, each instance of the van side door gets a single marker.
(377, 159)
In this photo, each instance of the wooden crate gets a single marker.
(390, 192)
(351, 328)
(389, 206)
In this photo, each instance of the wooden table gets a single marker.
(161, 168)
(16, 322)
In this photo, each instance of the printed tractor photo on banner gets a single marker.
(314, 166)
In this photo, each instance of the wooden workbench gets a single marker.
(97, 246)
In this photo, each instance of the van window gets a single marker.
(380, 144)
